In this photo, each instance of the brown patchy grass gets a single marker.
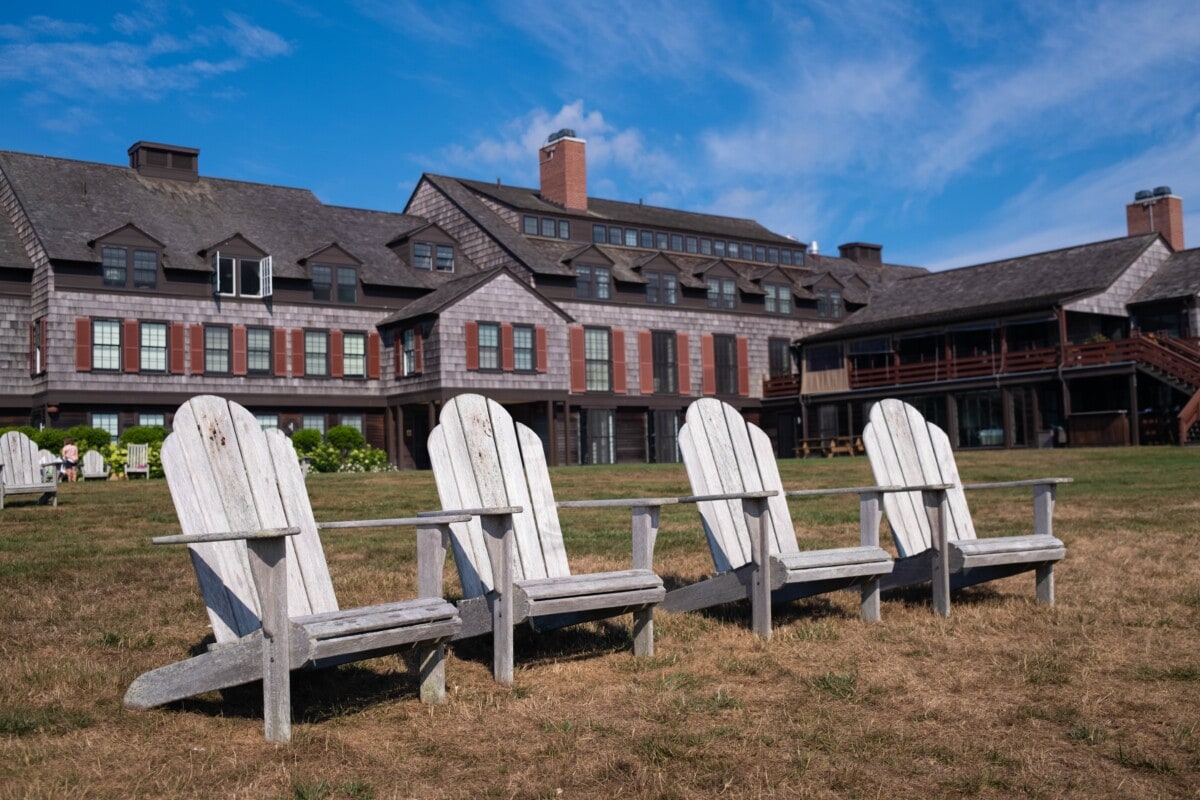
(1096, 697)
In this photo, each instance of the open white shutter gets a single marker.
(264, 275)
(216, 268)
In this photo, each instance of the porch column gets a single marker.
(1010, 419)
(952, 420)
(552, 433)
(1135, 425)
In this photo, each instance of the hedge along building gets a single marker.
(1094, 344)
(126, 289)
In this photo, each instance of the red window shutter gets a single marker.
(197, 365)
(83, 345)
(418, 351)
(472, 345)
(335, 354)
(684, 359)
(176, 351)
(708, 368)
(32, 366)
(539, 339)
(507, 360)
(239, 349)
(129, 333)
(373, 354)
(45, 352)
(578, 361)
(281, 338)
(297, 353)
(646, 362)
(620, 373)
(743, 354)
(398, 353)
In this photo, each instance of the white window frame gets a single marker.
(265, 276)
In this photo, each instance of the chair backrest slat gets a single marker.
(22, 466)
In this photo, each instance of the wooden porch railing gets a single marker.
(783, 386)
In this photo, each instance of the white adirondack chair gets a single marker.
(934, 536)
(247, 521)
(93, 465)
(138, 460)
(49, 463)
(22, 471)
(511, 561)
(723, 453)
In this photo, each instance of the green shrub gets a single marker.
(325, 457)
(306, 440)
(88, 438)
(366, 459)
(345, 438)
(144, 434)
(117, 456)
(50, 439)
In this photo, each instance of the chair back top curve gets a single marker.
(482, 458)
(226, 474)
(906, 450)
(22, 464)
(724, 453)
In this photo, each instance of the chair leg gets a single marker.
(870, 600)
(431, 669)
(1045, 584)
(643, 632)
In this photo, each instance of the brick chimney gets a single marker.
(1157, 211)
(862, 252)
(563, 169)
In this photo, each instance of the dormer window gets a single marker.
(235, 276)
(722, 293)
(593, 283)
(829, 304)
(323, 277)
(445, 258)
(122, 263)
(662, 288)
(778, 299)
(423, 256)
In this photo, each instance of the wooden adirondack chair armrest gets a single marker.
(433, 518)
(620, 502)
(225, 536)
(1016, 484)
(703, 498)
(861, 490)
(496, 511)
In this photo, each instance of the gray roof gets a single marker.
(1012, 286)
(450, 293)
(12, 253)
(72, 203)
(1179, 277)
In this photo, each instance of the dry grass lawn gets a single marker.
(1097, 697)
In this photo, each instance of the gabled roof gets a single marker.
(1178, 277)
(1011, 286)
(73, 202)
(450, 293)
(12, 253)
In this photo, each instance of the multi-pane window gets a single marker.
(408, 344)
(829, 304)
(564, 229)
(778, 298)
(529, 225)
(599, 432)
(523, 357)
(116, 267)
(734, 249)
(773, 255)
(726, 363)
(760, 253)
(598, 360)
(706, 247)
(106, 344)
(660, 241)
(677, 242)
(691, 245)
(722, 293)
(631, 237)
(423, 256)
(216, 348)
(347, 285)
(779, 357)
(599, 234)
(548, 227)
(445, 258)
(258, 351)
(719, 248)
(647, 239)
(322, 282)
(152, 420)
(662, 289)
(353, 421)
(313, 422)
(316, 353)
(489, 345)
(152, 350)
(593, 282)
(666, 362)
(354, 355)
(614, 235)
(267, 421)
(106, 421)
(785, 256)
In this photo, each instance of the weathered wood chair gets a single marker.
(138, 460)
(752, 541)
(93, 465)
(22, 472)
(50, 464)
(248, 524)
(934, 535)
(511, 561)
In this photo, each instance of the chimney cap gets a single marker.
(1162, 191)
(561, 133)
(1142, 194)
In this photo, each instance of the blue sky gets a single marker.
(950, 133)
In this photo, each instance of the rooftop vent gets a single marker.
(1162, 191)
(1143, 194)
(563, 133)
(165, 161)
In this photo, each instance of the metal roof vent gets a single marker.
(1162, 191)
(1143, 194)
(563, 133)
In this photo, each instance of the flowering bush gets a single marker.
(366, 459)
(117, 456)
